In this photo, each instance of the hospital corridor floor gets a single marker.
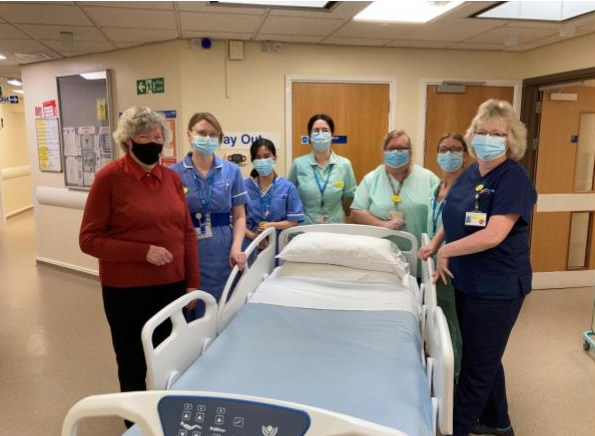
(55, 348)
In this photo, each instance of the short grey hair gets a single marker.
(500, 110)
(137, 119)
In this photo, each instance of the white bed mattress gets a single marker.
(331, 287)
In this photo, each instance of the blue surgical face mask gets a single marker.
(264, 167)
(205, 145)
(488, 147)
(396, 158)
(450, 161)
(321, 141)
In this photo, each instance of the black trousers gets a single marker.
(127, 310)
(481, 392)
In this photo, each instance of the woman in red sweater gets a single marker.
(136, 223)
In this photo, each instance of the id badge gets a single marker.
(204, 231)
(321, 219)
(396, 214)
(476, 219)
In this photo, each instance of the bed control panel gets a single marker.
(211, 416)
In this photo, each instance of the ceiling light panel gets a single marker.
(391, 11)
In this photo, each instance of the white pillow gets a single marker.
(363, 252)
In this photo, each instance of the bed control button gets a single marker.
(238, 421)
(186, 415)
(220, 410)
(200, 417)
(219, 420)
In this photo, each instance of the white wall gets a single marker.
(250, 95)
(15, 185)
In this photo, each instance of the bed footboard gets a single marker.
(167, 361)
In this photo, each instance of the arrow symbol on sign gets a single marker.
(141, 87)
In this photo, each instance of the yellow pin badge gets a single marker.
(339, 184)
(478, 188)
(396, 198)
(185, 189)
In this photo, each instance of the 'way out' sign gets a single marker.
(243, 140)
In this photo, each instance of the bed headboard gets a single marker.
(356, 229)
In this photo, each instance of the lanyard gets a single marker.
(396, 192)
(205, 200)
(322, 188)
(436, 212)
(265, 199)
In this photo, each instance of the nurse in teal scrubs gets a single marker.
(395, 195)
(324, 179)
(452, 154)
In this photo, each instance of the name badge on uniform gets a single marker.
(321, 219)
(396, 214)
(204, 231)
(476, 219)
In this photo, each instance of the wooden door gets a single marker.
(558, 160)
(452, 113)
(360, 112)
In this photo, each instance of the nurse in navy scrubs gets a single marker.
(273, 201)
(486, 226)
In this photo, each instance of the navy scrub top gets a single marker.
(505, 270)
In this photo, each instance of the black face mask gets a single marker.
(147, 153)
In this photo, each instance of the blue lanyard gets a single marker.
(205, 200)
(265, 199)
(436, 213)
(322, 188)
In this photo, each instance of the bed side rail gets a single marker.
(185, 343)
(430, 299)
(357, 229)
(143, 409)
(441, 354)
(249, 279)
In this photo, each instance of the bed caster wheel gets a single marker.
(586, 346)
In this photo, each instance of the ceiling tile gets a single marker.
(336, 40)
(43, 14)
(80, 48)
(216, 9)
(289, 38)
(80, 33)
(300, 26)
(216, 35)
(168, 6)
(415, 43)
(449, 32)
(139, 35)
(499, 36)
(130, 18)
(10, 32)
(18, 45)
(346, 10)
(219, 22)
(361, 29)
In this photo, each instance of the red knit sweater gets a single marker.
(127, 211)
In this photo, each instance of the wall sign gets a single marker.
(150, 86)
(47, 131)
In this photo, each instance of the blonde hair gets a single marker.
(500, 110)
(209, 118)
(137, 119)
(395, 134)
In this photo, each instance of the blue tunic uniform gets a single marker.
(279, 203)
(505, 270)
(227, 191)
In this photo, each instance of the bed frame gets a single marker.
(187, 342)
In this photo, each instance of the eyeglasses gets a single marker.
(496, 133)
(323, 130)
(451, 149)
(398, 149)
(213, 135)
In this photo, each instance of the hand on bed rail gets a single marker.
(192, 305)
(237, 257)
(442, 270)
(427, 250)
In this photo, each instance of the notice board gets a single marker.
(85, 107)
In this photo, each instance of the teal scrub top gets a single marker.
(322, 189)
(375, 193)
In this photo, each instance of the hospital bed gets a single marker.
(296, 350)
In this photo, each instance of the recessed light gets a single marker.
(2, 57)
(278, 4)
(556, 11)
(18, 91)
(405, 12)
(14, 82)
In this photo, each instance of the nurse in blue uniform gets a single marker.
(216, 196)
(486, 224)
(273, 201)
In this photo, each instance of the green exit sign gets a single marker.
(150, 86)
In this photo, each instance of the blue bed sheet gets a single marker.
(365, 364)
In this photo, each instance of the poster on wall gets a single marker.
(48, 144)
(169, 155)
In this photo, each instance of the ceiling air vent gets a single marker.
(32, 56)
